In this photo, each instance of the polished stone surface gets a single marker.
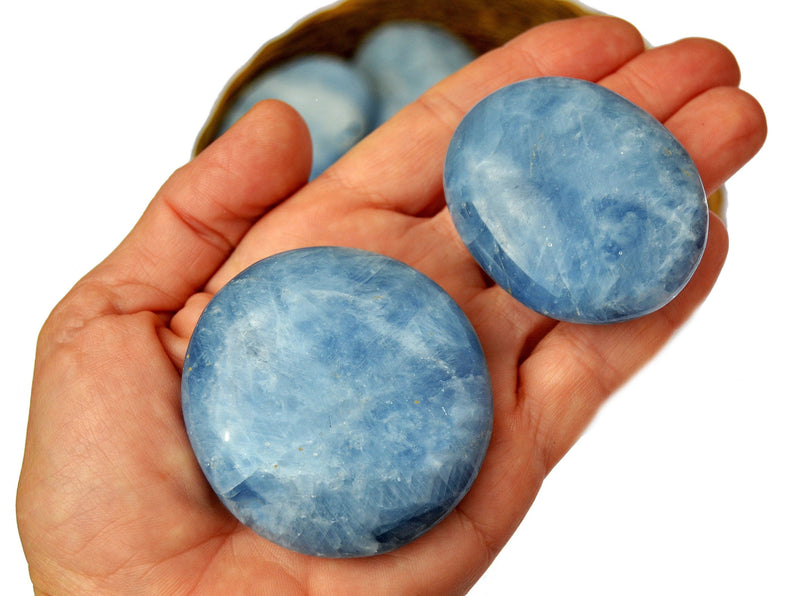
(405, 58)
(332, 96)
(577, 202)
(338, 401)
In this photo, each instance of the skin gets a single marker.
(110, 497)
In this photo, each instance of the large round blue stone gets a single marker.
(337, 400)
(576, 201)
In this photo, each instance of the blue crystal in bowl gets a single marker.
(403, 59)
(333, 97)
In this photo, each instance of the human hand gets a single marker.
(110, 496)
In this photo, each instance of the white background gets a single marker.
(688, 480)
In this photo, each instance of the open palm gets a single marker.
(110, 496)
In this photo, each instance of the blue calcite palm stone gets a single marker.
(337, 400)
(403, 59)
(333, 97)
(577, 202)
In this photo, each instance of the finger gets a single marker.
(400, 166)
(722, 129)
(204, 209)
(574, 368)
(663, 79)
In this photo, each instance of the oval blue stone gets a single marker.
(576, 201)
(337, 400)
